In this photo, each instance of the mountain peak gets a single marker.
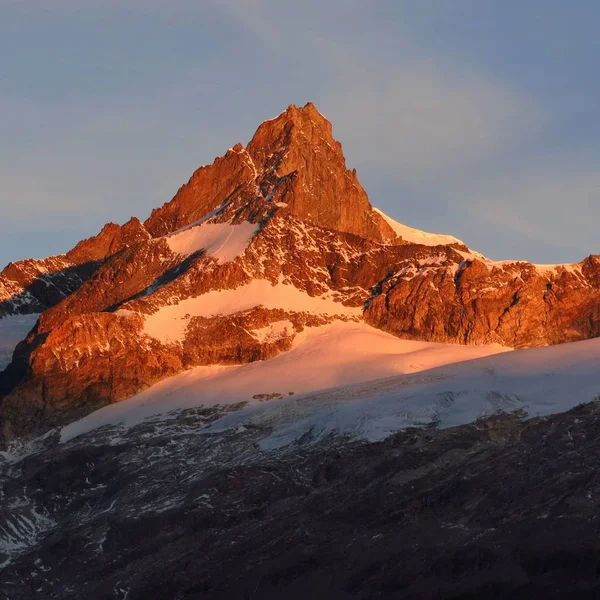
(299, 131)
(272, 238)
(292, 164)
(302, 113)
(298, 149)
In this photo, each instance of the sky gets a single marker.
(472, 117)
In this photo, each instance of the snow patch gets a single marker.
(273, 332)
(545, 269)
(223, 241)
(573, 268)
(416, 236)
(21, 528)
(169, 323)
(330, 356)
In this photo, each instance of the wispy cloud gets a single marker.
(411, 110)
(432, 124)
(426, 118)
(553, 198)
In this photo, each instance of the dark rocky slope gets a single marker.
(502, 508)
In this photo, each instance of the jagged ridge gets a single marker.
(148, 301)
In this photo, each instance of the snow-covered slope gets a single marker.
(416, 236)
(223, 241)
(539, 381)
(169, 323)
(334, 355)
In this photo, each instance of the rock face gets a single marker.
(515, 304)
(278, 232)
(32, 286)
(502, 508)
(302, 166)
(295, 165)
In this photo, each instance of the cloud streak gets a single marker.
(549, 199)
(442, 140)
(408, 108)
(426, 119)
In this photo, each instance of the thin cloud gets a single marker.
(425, 119)
(414, 112)
(554, 198)
(443, 142)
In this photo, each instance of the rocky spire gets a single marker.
(292, 162)
(298, 149)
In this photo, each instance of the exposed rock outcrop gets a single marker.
(502, 508)
(32, 286)
(295, 165)
(515, 304)
(277, 231)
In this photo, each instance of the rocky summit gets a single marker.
(287, 229)
(250, 395)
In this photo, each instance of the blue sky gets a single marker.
(472, 117)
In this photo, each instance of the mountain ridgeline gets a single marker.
(269, 239)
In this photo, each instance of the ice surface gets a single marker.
(338, 354)
(540, 381)
(367, 396)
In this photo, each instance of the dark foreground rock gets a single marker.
(503, 508)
